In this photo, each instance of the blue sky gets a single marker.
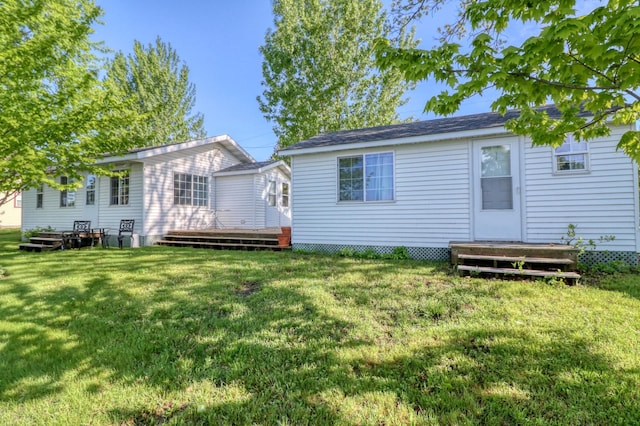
(219, 41)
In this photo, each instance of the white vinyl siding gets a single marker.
(601, 202)
(431, 207)
(161, 213)
(236, 202)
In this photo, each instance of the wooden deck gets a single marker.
(48, 241)
(516, 259)
(226, 239)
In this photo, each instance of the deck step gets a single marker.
(203, 238)
(38, 247)
(219, 245)
(526, 259)
(514, 271)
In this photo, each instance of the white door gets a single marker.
(497, 214)
(89, 197)
(272, 213)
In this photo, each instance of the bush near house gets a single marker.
(163, 335)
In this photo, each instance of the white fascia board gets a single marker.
(467, 134)
(224, 140)
(280, 164)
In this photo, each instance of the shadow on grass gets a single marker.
(172, 319)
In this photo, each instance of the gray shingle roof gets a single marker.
(245, 167)
(417, 128)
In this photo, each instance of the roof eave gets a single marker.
(279, 164)
(466, 134)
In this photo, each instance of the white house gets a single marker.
(424, 184)
(201, 184)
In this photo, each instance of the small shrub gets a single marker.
(35, 231)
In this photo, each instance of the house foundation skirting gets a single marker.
(417, 253)
(590, 258)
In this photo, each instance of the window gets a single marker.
(90, 190)
(496, 181)
(571, 156)
(67, 196)
(271, 193)
(120, 189)
(190, 189)
(285, 194)
(366, 177)
(17, 200)
(39, 196)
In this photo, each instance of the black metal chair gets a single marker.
(126, 227)
(81, 230)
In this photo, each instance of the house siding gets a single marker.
(431, 206)
(599, 202)
(161, 214)
(236, 201)
(433, 199)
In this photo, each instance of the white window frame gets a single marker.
(90, 190)
(121, 185)
(17, 200)
(284, 195)
(272, 193)
(574, 149)
(40, 196)
(67, 196)
(190, 190)
(364, 179)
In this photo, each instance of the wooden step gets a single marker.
(38, 247)
(499, 258)
(514, 271)
(219, 238)
(202, 244)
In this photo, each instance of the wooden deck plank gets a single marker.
(217, 237)
(514, 271)
(221, 245)
(500, 258)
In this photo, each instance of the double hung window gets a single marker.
(571, 156)
(120, 189)
(366, 178)
(90, 190)
(67, 196)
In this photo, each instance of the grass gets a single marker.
(163, 335)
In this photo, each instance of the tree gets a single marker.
(51, 99)
(157, 83)
(319, 69)
(587, 63)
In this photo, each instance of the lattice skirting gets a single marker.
(418, 253)
(592, 258)
(444, 253)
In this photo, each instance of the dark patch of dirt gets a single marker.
(247, 288)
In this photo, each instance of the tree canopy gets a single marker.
(51, 98)
(319, 69)
(157, 85)
(586, 62)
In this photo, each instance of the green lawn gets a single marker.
(164, 335)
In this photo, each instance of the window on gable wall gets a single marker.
(190, 190)
(67, 196)
(571, 156)
(366, 178)
(119, 191)
(17, 201)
